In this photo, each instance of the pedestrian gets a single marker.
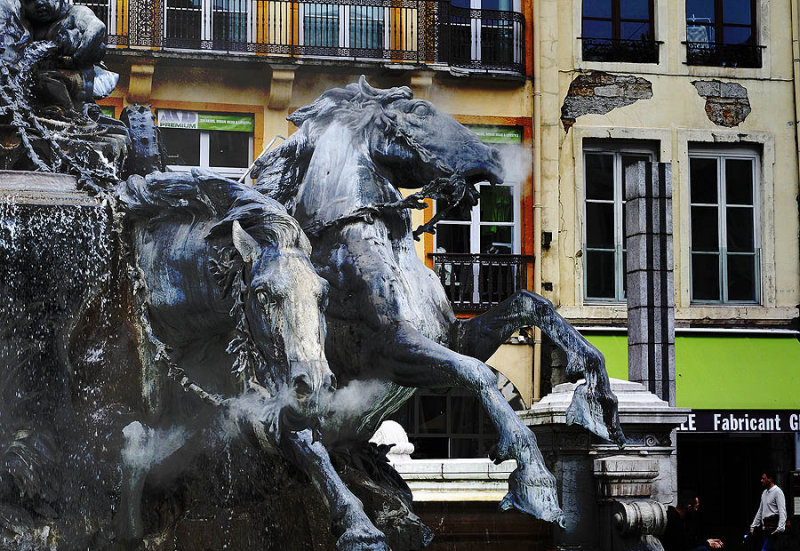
(771, 514)
(684, 530)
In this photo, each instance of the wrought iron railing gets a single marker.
(627, 51)
(421, 31)
(723, 55)
(476, 282)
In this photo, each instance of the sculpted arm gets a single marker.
(91, 45)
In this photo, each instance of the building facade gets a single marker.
(712, 89)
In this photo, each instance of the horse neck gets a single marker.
(184, 298)
(341, 178)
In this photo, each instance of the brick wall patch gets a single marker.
(598, 93)
(726, 102)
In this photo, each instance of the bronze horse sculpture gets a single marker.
(388, 319)
(233, 312)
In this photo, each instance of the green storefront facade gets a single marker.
(744, 391)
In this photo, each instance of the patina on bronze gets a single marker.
(389, 321)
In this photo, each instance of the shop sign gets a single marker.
(742, 421)
(498, 134)
(193, 120)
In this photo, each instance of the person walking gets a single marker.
(771, 514)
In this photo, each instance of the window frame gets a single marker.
(345, 14)
(477, 24)
(234, 173)
(721, 155)
(475, 222)
(719, 22)
(617, 148)
(750, 54)
(206, 36)
(616, 21)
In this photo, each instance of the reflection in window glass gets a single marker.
(183, 146)
(228, 149)
(321, 25)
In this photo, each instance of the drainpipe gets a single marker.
(537, 192)
(796, 73)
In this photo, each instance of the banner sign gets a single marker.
(498, 134)
(742, 421)
(192, 120)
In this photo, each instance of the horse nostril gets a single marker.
(332, 382)
(302, 386)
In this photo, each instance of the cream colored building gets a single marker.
(712, 88)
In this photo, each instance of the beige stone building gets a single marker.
(710, 87)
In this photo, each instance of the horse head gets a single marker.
(412, 144)
(282, 301)
(214, 246)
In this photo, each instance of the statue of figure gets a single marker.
(79, 37)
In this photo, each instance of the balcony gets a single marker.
(625, 51)
(386, 31)
(476, 282)
(723, 55)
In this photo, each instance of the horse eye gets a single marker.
(421, 110)
(264, 298)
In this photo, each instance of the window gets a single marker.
(215, 24)
(724, 226)
(618, 30)
(477, 247)
(221, 141)
(604, 217)
(345, 26)
(722, 32)
(482, 31)
(446, 424)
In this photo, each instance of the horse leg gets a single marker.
(593, 406)
(347, 512)
(410, 359)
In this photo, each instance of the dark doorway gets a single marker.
(724, 472)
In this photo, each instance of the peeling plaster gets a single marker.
(598, 93)
(726, 102)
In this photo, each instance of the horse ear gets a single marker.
(244, 243)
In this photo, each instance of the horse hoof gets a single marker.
(533, 492)
(362, 539)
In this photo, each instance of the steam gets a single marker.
(145, 447)
(517, 161)
(350, 400)
(256, 409)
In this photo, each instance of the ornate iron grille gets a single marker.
(420, 31)
(723, 55)
(476, 282)
(481, 39)
(627, 51)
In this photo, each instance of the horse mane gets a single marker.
(279, 173)
(203, 195)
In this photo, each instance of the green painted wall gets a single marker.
(716, 372)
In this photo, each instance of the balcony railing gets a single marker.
(626, 51)
(419, 31)
(476, 282)
(723, 55)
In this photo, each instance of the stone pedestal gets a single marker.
(612, 498)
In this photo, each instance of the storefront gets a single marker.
(721, 456)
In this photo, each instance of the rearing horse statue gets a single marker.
(389, 320)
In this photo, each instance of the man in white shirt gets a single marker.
(771, 514)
